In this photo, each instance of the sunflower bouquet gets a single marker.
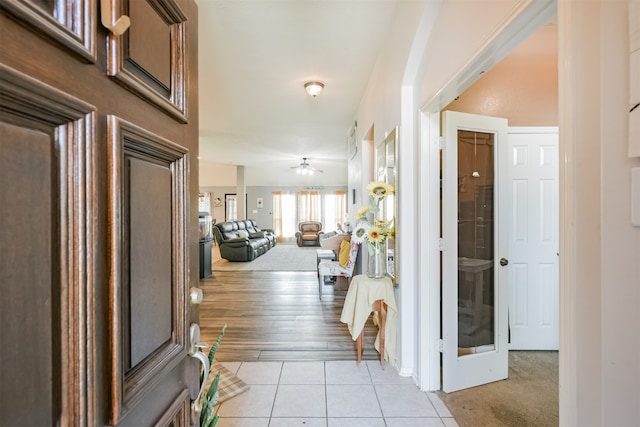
(371, 229)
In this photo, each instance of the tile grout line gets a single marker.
(375, 391)
(326, 395)
(275, 396)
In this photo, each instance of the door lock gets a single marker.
(504, 261)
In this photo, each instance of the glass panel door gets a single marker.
(474, 285)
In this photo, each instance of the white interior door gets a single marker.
(532, 180)
(475, 292)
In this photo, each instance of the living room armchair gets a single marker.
(309, 233)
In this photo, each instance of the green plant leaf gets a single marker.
(387, 227)
(373, 206)
(210, 398)
(213, 389)
(207, 413)
(215, 347)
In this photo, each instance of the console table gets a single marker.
(366, 296)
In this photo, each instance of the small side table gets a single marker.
(366, 296)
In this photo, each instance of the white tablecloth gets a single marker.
(358, 305)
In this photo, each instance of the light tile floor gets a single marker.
(329, 394)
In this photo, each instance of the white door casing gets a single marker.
(532, 180)
(490, 363)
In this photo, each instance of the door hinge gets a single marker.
(440, 346)
(441, 244)
(441, 142)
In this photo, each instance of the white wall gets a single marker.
(600, 249)
(621, 241)
(380, 112)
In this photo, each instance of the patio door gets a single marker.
(474, 231)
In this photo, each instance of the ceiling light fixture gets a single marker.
(314, 88)
(305, 169)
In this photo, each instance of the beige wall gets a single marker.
(522, 88)
(217, 175)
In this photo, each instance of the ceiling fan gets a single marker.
(305, 169)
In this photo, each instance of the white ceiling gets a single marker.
(254, 58)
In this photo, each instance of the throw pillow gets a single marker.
(343, 255)
(256, 235)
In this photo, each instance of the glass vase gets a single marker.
(377, 266)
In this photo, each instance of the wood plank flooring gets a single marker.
(277, 316)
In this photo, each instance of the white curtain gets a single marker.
(334, 210)
(284, 216)
(277, 214)
(309, 206)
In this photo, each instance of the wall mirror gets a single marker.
(388, 172)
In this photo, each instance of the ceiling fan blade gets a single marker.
(306, 166)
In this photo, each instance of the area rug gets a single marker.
(229, 385)
(283, 257)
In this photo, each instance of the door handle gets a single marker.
(504, 261)
(194, 351)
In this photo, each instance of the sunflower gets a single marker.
(382, 223)
(375, 235)
(379, 190)
(392, 232)
(362, 213)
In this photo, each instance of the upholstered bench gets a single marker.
(321, 255)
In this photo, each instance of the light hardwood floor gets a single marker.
(277, 316)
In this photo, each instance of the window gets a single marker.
(309, 206)
(290, 209)
(284, 216)
(334, 210)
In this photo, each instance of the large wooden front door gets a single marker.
(98, 212)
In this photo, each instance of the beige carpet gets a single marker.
(283, 257)
(528, 398)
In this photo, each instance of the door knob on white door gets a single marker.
(504, 261)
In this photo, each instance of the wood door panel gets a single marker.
(57, 93)
(178, 414)
(149, 216)
(27, 289)
(150, 42)
(150, 58)
(72, 24)
(149, 210)
(47, 271)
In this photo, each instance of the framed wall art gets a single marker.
(353, 141)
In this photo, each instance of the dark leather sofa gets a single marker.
(243, 240)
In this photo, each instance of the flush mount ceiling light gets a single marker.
(314, 88)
